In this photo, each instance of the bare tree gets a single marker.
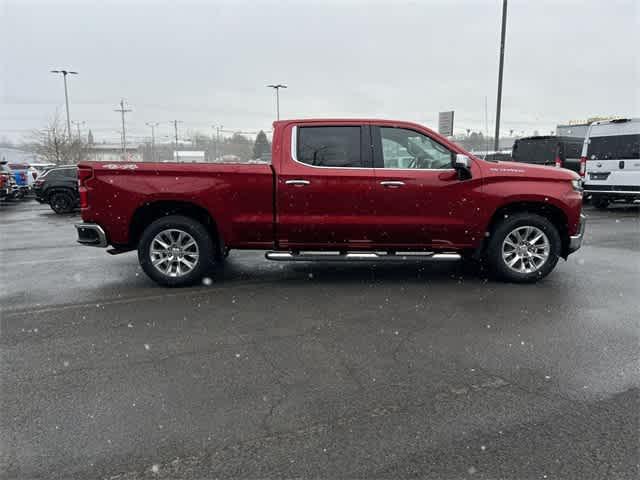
(54, 145)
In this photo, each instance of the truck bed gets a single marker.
(239, 196)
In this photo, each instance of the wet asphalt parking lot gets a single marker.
(417, 370)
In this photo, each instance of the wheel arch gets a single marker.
(553, 213)
(150, 212)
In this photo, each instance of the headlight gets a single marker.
(577, 185)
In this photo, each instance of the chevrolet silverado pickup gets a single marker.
(336, 190)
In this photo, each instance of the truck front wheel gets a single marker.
(523, 248)
(176, 251)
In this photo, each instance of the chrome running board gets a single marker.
(333, 256)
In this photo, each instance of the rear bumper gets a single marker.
(91, 234)
(575, 241)
(612, 190)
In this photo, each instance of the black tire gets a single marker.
(206, 250)
(497, 264)
(61, 202)
(601, 203)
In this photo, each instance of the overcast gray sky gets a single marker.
(206, 62)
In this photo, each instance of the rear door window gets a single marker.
(618, 147)
(330, 146)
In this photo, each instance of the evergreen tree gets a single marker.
(261, 146)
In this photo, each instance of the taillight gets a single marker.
(84, 174)
(583, 166)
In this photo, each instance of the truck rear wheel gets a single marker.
(175, 251)
(523, 248)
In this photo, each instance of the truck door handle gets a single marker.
(392, 183)
(297, 183)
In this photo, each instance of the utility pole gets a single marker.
(175, 128)
(486, 125)
(277, 88)
(122, 111)
(77, 124)
(153, 126)
(496, 141)
(66, 95)
(216, 140)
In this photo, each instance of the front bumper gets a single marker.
(575, 241)
(91, 234)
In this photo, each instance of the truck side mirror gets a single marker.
(462, 164)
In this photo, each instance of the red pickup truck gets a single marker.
(355, 189)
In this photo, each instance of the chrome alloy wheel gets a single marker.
(174, 252)
(525, 249)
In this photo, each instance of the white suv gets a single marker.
(610, 161)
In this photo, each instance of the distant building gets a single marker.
(109, 152)
(578, 130)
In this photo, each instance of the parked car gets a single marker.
(6, 186)
(611, 161)
(551, 150)
(59, 188)
(12, 189)
(329, 194)
(31, 172)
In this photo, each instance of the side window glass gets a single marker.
(329, 146)
(402, 148)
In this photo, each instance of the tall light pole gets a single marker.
(216, 141)
(153, 126)
(175, 128)
(277, 88)
(66, 95)
(496, 140)
(122, 111)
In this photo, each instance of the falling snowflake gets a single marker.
(207, 281)
(147, 346)
(65, 363)
(483, 448)
(155, 468)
